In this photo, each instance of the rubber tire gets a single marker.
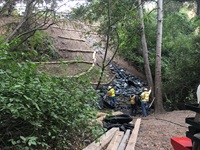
(195, 146)
(121, 119)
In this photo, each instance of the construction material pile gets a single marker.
(125, 85)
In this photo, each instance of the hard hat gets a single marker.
(109, 87)
(145, 89)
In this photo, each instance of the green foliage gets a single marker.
(40, 112)
(125, 25)
(180, 59)
(38, 47)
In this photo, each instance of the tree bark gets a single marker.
(104, 65)
(197, 116)
(107, 45)
(28, 12)
(145, 49)
(198, 7)
(158, 82)
(9, 7)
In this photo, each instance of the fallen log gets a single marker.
(73, 39)
(75, 30)
(76, 50)
(66, 62)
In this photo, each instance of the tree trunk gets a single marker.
(11, 7)
(4, 9)
(108, 38)
(145, 49)
(107, 45)
(28, 12)
(197, 116)
(198, 7)
(158, 83)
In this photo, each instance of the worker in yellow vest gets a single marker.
(145, 101)
(111, 96)
(133, 105)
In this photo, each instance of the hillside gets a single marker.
(76, 42)
(77, 50)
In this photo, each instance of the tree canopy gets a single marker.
(47, 110)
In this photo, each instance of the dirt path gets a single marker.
(156, 130)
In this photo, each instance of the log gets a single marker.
(124, 141)
(76, 50)
(65, 62)
(133, 138)
(90, 69)
(74, 30)
(113, 145)
(103, 140)
(81, 40)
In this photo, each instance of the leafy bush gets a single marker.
(39, 111)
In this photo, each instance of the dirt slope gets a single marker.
(157, 130)
(76, 41)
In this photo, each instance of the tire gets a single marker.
(121, 119)
(195, 146)
(109, 126)
(193, 130)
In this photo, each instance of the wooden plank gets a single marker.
(113, 145)
(124, 141)
(103, 140)
(133, 138)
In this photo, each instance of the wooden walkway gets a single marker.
(116, 140)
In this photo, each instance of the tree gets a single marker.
(104, 65)
(111, 16)
(197, 3)
(145, 49)
(32, 21)
(8, 7)
(158, 83)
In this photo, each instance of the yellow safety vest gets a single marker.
(111, 92)
(132, 100)
(145, 96)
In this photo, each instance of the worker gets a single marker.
(145, 101)
(133, 104)
(111, 96)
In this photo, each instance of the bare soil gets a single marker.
(156, 130)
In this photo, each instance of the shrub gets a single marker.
(38, 111)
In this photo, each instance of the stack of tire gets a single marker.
(122, 121)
